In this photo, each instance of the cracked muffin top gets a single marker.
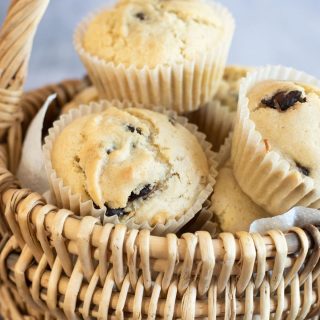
(287, 115)
(135, 162)
(153, 32)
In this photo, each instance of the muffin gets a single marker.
(168, 53)
(275, 151)
(228, 91)
(134, 166)
(86, 96)
(234, 210)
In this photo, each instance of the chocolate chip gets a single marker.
(140, 16)
(76, 159)
(172, 121)
(305, 171)
(284, 100)
(131, 128)
(114, 212)
(142, 194)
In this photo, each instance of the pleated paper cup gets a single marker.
(224, 153)
(215, 120)
(182, 87)
(66, 199)
(263, 174)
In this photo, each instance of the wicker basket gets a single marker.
(55, 265)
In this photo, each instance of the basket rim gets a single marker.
(74, 220)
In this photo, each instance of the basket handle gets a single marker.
(16, 39)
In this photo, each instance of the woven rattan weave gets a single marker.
(56, 265)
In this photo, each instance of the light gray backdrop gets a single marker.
(268, 32)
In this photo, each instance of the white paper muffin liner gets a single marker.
(224, 153)
(66, 199)
(215, 120)
(221, 158)
(264, 175)
(182, 87)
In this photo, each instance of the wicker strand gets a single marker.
(72, 291)
(279, 263)
(87, 301)
(42, 233)
(169, 306)
(144, 245)
(106, 296)
(248, 256)
(132, 252)
(9, 307)
(152, 310)
(23, 215)
(103, 251)
(280, 301)
(10, 214)
(122, 298)
(228, 260)
(295, 298)
(307, 298)
(9, 246)
(300, 257)
(84, 245)
(21, 266)
(249, 302)
(207, 262)
(261, 259)
(53, 289)
(186, 270)
(59, 243)
(117, 253)
(315, 311)
(314, 257)
(138, 300)
(265, 300)
(36, 283)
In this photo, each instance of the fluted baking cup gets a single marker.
(66, 199)
(182, 87)
(263, 173)
(224, 153)
(215, 120)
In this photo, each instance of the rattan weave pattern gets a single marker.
(56, 265)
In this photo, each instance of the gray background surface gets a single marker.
(268, 32)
